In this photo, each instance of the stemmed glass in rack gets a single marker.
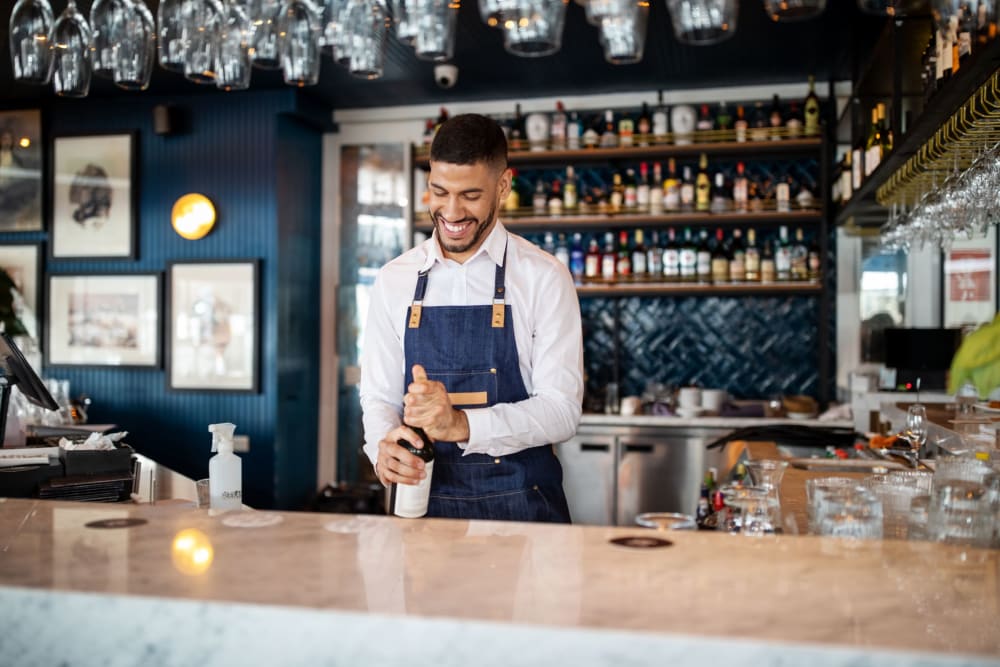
(71, 64)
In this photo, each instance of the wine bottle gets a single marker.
(703, 187)
(752, 259)
(409, 500)
(720, 259)
(812, 109)
(672, 259)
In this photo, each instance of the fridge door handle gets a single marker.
(585, 447)
(638, 449)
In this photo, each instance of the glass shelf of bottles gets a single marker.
(716, 142)
(610, 289)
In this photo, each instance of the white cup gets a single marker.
(631, 405)
(713, 400)
(689, 397)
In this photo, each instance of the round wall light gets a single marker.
(193, 216)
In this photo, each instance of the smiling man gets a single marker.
(474, 336)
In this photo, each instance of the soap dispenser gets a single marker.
(225, 470)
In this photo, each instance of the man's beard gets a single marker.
(480, 231)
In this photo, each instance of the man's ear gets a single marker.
(504, 186)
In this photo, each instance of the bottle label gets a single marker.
(737, 268)
(704, 261)
(592, 266)
(752, 262)
(720, 270)
(411, 500)
(608, 267)
(688, 262)
(672, 262)
(639, 263)
(781, 193)
(672, 198)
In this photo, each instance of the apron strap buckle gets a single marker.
(415, 315)
(498, 315)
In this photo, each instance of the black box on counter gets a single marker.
(23, 481)
(97, 461)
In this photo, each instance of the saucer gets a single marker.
(689, 413)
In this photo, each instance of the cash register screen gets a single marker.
(921, 349)
(18, 371)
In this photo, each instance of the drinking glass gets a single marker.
(703, 21)
(896, 496)
(666, 521)
(105, 17)
(793, 10)
(435, 22)
(365, 32)
(747, 510)
(767, 474)
(916, 525)
(71, 65)
(202, 25)
(263, 14)
(623, 34)
(916, 427)
(959, 513)
(134, 51)
(816, 487)
(854, 513)
(233, 70)
(171, 36)
(298, 43)
(535, 28)
(29, 29)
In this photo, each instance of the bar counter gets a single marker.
(187, 587)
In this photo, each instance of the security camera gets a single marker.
(445, 75)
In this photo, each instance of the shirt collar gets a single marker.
(493, 246)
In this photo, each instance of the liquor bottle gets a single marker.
(722, 202)
(723, 119)
(644, 125)
(776, 119)
(609, 139)
(672, 188)
(737, 258)
(783, 195)
(631, 189)
(640, 269)
(740, 124)
(703, 258)
(759, 123)
(887, 135)
(671, 258)
(794, 122)
(608, 258)
(410, 500)
(846, 179)
(549, 243)
(966, 28)
(815, 261)
(873, 144)
(578, 259)
(752, 260)
(783, 256)
(617, 192)
(720, 259)
(556, 198)
(513, 201)
(687, 257)
(591, 136)
(517, 129)
(557, 128)
(654, 256)
(740, 189)
(592, 261)
(570, 194)
(804, 198)
(574, 130)
(703, 186)
(755, 201)
(656, 190)
(540, 200)
(812, 109)
(857, 166)
(687, 190)
(768, 273)
(428, 132)
(800, 257)
(626, 130)
(642, 188)
(562, 250)
(705, 122)
(661, 118)
(623, 263)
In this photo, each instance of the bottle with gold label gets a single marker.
(703, 186)
(812, 110)
(752, 258)
(617, 192)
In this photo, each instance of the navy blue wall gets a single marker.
(243, 154)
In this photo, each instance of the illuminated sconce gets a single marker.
(193, 216)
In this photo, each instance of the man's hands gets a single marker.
(427, 405)
(395, 463)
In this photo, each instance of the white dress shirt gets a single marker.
(547, 330)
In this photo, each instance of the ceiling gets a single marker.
(761, 52)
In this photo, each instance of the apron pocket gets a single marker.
(468, 389)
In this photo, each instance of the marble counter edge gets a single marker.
(118, 631)
(704, 422)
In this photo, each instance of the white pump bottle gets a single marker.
(225, 470)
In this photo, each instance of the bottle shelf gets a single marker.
(599, 289)
(714, 142)
(529, 221)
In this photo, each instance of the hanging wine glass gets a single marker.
(234, 66)
(405, 19)
(435, 36)
(496, 12)
(71, 66)
(298, 44)
(105, 17)
(367, 28)
(332, 36)
(702, 22)
(623, 34)
(29, 29)
(793, 10)
(263, 16)
(172, 39)
(203, 22)
(537, 28)
(134, 37)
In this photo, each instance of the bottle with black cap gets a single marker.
(408, 500)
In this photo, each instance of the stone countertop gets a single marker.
(714, 422)
(381, 590)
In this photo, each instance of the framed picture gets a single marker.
(213, 325)
(969, 291)
(20, 171)
(94, 195)
(21, 265)
(104, 320)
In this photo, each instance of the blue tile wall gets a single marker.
(245, 160)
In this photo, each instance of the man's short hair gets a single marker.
(468, 139)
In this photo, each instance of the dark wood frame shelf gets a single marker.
(698, 289)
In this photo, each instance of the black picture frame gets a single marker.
(104, 320)
(94, 191)
(23, 262)
(213, 325)
(22, 167)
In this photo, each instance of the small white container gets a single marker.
(689, 397)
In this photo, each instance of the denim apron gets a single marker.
(472, 351)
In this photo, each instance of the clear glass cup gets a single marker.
(263, 14)
(854, 513)
(331, 39)
(202, 26)
(816, 487)
(747, 511)
(365, 32)
(703, 21)
(171, 37)
(960, 514)
(28, 32)
(623, 35)
(916, 527)
(134, 53)
(71, 65)
(611, 400)
(105, 17)
(298, 43)
(435, 36)
(234, 68)
(666, 521)
(960, 468)
(916, 428)
(535, 27)
(896, 497)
